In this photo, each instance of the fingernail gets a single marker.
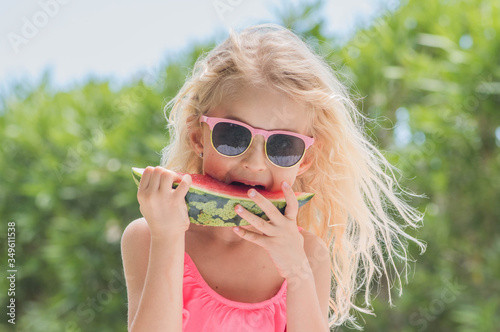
(286, 185)
(236, 229)
(253, 193)
(239, 208)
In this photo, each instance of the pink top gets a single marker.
(207, 311)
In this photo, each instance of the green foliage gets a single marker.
(431, 69)
(429, 72)
(66, 160)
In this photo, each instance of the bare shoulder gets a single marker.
(135, 243)
(136, 236)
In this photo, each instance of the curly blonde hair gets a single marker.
(356, 188)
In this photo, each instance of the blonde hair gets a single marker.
(355, 185)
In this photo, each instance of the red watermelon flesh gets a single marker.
(211, 202)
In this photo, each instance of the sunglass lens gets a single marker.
(231, 139)
(285, 150)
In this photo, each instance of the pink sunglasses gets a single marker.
(232, 138)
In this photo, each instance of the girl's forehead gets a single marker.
(265, 109)
(283, 121)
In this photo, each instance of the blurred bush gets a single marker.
(66, 163)
(428, 71)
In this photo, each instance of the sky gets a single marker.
(116, 38)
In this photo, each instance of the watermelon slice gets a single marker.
(211, 202)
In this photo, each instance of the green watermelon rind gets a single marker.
(209, 209)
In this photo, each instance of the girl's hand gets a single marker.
(163, 207)
(280, 236)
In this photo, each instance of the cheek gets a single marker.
(215, 165)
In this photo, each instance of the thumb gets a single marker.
(186, 182)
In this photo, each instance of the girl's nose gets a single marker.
(255, 157)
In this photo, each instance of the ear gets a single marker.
(305, 164)
(195, 133)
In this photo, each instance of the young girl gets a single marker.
(299, 271)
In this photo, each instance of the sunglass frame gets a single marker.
(212, 121)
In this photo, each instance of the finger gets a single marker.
(156, 178)
(145, 178)
(251, 228)
(167, 178)
(258, 239)
(260, 224)
(265, 205)
(185, 184)
(292, 204)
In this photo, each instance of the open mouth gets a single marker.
(239, 184)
